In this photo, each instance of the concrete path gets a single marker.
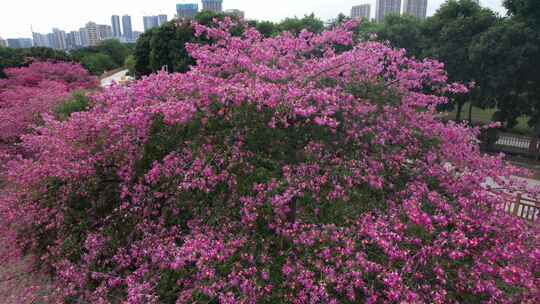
(114, 78)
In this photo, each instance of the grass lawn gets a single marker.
(484, 116)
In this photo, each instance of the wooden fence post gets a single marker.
(516, 206)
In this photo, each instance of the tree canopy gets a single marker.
(272, 172)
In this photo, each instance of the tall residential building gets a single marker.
(58, 41)
(50, 39)
(70, 41)
(20, 43)
(128, 30)
(362, 11)
(150, 22)
(385, 7)
(416, 8)
(92, 33)
(73, 40)
(115, 22)
(84, 36)
(41, 40)
(186, 10)
(212, 5)
(3, 43)
(236, 13)
(77, 37)
(104, 32)
(162, 19)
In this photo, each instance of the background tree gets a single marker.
(266, 28)
(401, 31)
(527, 10)
(130, 65)
(98, 63)
(450, 33)
(502, 57)
(11, 58)
(296, 25)
(109, 54)
(164, 47)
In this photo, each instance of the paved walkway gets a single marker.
(114, 78)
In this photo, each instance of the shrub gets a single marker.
(276, 171)
(29, 92)
(14, 58)
(78, 102)
(98, 63)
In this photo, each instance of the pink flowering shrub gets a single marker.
(276, 171)
(73, 75)
(31, 91)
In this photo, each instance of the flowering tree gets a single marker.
(278, 170)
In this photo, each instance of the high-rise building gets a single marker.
(115, 22)
(70, 41)
(150, 22)
(162, 19)
(77, 38)
(362, 11)
(416, 8)
(212, 5)
(19, 43)
(50, 39)
(385, 7)
(84, 36)
(58, 41)
(104, 32)
(92, 33)
(186, 10)
(236, 13)
(128, 30)
(3, 43)
(41, 40)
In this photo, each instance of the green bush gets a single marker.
(78, 102)
(98, 63)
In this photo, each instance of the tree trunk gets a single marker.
(458, 111)
(470, 112)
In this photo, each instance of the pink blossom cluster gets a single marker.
(278, 170)
(28, 92)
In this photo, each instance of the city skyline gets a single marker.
(77, 13)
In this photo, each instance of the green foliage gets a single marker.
(451, 32)
(266, 28)
(403, 32)
(98, 63)
(109, 54)
(526, 10)
(22, 57)
(9, 58)
(78, 102)
(142, 55)
(502, 56)
(116, 50)
(130, 64)
(296, 25)
(164, 47)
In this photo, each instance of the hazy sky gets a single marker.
(17, 16)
